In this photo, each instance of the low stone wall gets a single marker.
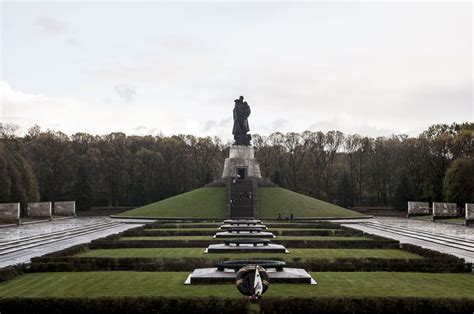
(42, 209)
(418, 208)
(10, 213)
(65, 208)
(445, 210)
(469, 213)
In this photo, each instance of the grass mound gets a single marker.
(199, 203)
(274, 201)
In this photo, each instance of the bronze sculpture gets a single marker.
(241, 124)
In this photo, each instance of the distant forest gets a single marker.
(350, 170)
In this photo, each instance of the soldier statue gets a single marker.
(241, 124)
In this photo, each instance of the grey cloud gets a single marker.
(363, 129)
(209, 125)
(279, 124)
(125, 92)
(212, 125)
(139, 128)
(50, 25)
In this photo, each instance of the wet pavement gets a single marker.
(66, 227)
(456, 231)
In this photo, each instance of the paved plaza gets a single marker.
(453, 239)
(19, 244)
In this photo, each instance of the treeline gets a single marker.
(351, 170)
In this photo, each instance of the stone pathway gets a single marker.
(464, 234)
(19, 244)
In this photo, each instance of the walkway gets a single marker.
(457, 240)
(19, 244)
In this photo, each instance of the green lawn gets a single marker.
(199, 203)
(294, 253)
(170, 284)
(273, 201)
(187, 238)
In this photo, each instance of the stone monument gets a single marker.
(241, 163)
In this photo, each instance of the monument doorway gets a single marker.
(242, 173)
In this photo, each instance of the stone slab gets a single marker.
(65, 208)
(10, 212)
(469, 214)
(418, 208)
(213, 275)
(42, 209)
(445, 209)
(246, 248)
(248, 222)
(243, 226)
(470, 211)
(244, 234)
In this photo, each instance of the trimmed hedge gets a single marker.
(45, 264)
(338, 244)
(73, 250)
(342, 244)
(151, 244)
(11, 272)
(366, 305)
(312, 225)
(334, 233)
(165, 232)
(122, 305)
(181, 226)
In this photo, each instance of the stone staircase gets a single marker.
(243, 195)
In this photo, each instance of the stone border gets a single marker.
(418, 209)
(444, 210)
(67, 208)
(469, 214)
(10, 213)
(41, 209)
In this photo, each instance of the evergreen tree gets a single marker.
(458, 182)
(403, 192)
(344, 192)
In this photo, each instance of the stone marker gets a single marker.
(441, 210)
(469, 214)
(10, 213)
(65, 208)
(418, 208)
(42, 209)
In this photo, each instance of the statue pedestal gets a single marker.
(241, 162)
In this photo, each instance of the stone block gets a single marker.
(65, 208)
(246, 248)
(445, 209)
(241, 156)
(418, 208)
(10, 213)
(469, 213)
(213, 275)
(42, 209)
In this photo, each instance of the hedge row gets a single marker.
(427, 253)
(180, 226)
(312, 225)
(213, 305)
(73, 250)
(335, 232)
(339, 244)
(11, 272)
(122, 305)
(342, 244)
(367, 305)
(164, 232)
(46, 264)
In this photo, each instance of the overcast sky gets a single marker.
(149, 68)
